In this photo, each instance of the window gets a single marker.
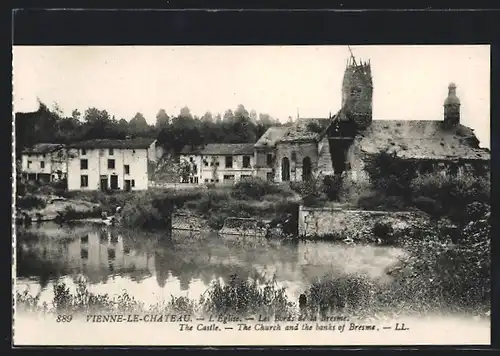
(111, 152)
(206, 180)
(195, 168)
(43, 155)
(111, 164)
(190, 159)
(228, 177)
(216, 181)
(245, 176)
(269, 159)
(229, 162)
(205, 163)
(132, 183)
(211, 180)
(42, 164)
(84, 181)
(29, 164)
(246, 161)
(84, 151)
(84, 164)
(126, 168)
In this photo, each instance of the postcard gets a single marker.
(251, 195)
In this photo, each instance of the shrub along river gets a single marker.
(151, 268)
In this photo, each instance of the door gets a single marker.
(285, 170)
(306, 169)
(127, 185)
(114, 181)
(104, 183)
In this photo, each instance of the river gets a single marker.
(151, 270)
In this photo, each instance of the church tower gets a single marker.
(452, 107)
(357, 93)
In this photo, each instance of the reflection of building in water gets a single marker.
(99, 253)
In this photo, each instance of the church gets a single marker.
(341, 144)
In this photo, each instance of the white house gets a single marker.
(218, 162)
(104, 164)
(45, 162)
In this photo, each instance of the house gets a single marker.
(44, 162)
(218, 163)
(104, 164)
(341, 145)
(265, 152)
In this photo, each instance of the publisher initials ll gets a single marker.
(400, 327)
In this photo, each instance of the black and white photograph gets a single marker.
(251, 195)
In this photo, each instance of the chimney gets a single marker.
(452, 107)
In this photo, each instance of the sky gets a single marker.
(410, 82)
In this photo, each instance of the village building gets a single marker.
(45, 162)
(341, 145)
(265, 153)
(105, 164)
(218, 163)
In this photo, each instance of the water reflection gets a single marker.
(190, 262)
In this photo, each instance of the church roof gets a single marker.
(271, 136)
(305, 129)
(421, 139)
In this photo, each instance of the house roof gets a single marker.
(220, 149)
(421, 139)
(271, 136)
(133, 143)
(42, 148)
(306, 129)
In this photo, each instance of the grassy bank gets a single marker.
(150, 209)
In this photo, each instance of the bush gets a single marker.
(441, 275)
(147, 213)
(332, 186)
(243, 297)
(256, 188)
(452, 193)
(384, 231)
(342, 293)
(30, 202)
(390, 174)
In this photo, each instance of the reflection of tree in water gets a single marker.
(31, 263)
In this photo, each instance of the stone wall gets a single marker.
(354, 224)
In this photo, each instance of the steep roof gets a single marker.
(271, 136)
(220, 149)
(421, 139)
(133, 143)
(43, 148)
(306, 129)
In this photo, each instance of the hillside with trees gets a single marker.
(172, 131)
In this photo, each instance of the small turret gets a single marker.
(452, 107)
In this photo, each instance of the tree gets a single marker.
(138, 124)
(75, 114)
(253, 116)
(185, 113)
(162, 119)
(207, 117)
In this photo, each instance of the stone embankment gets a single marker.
(55, 207)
